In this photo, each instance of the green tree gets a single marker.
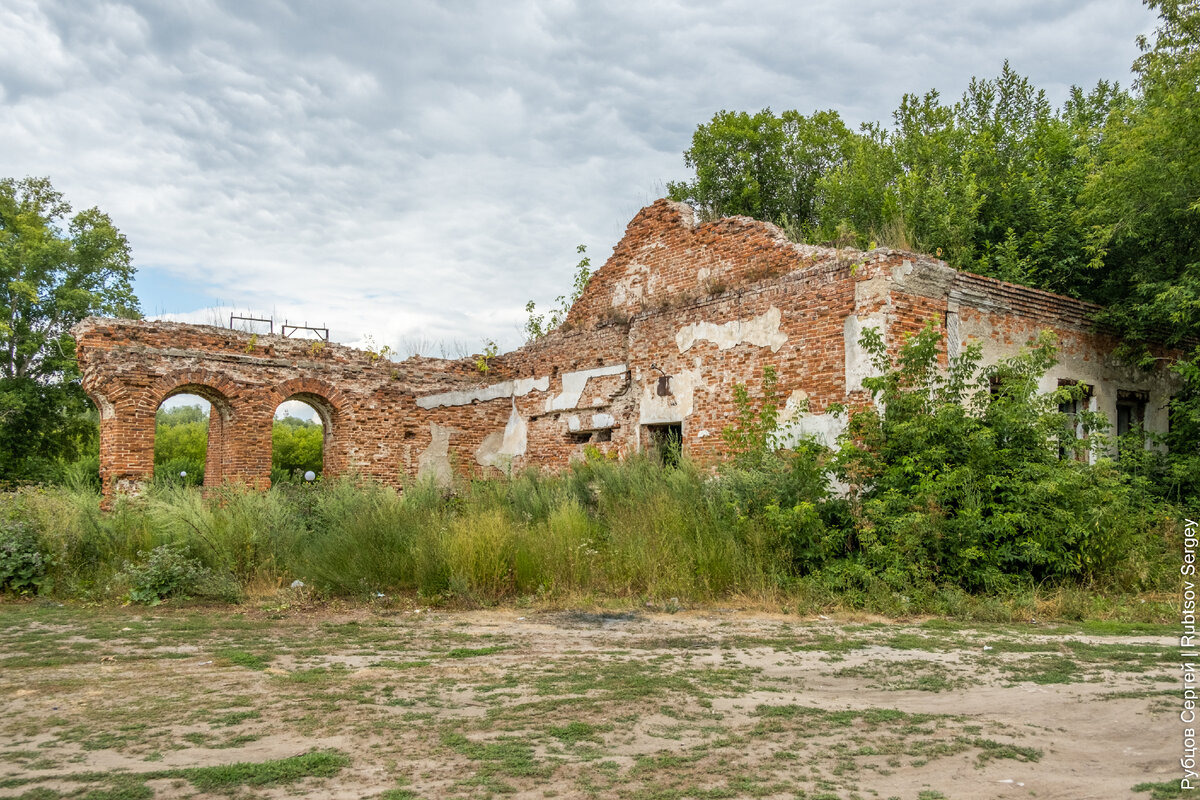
(1143, 205)
(54, 271)
(180, 445)
(763, 166)
(297, 445)
(990, 183)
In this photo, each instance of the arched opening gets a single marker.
(300, 434)
(188, 442)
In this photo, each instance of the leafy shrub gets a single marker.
(22, 562)
(970, 477)
(179, 472)
(166, 571)
(82, 474)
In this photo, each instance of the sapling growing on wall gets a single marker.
(538, 325)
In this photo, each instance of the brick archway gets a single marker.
(331, 406)
(221, 395)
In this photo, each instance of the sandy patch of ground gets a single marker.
(701, 704)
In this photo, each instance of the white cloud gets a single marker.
(418, 171)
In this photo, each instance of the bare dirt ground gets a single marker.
(122, 704)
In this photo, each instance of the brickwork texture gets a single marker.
(677, 316)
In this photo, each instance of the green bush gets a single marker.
(22, 563)
(166, 571)
(179, 472)
(964, 497)
(972, 477)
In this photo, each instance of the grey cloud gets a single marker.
(421, 169)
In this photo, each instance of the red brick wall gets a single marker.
(726, 280)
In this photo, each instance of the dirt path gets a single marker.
(704, 704)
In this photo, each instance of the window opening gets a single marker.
(1072, 408)
(1131, 411)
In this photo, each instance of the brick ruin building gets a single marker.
(650, 352)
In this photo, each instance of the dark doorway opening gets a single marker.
(666, 443)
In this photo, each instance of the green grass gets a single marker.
(1044, 670)
(990, 749)
(266, 773)
(244, 659)
(284, 771)
(1167, 790)
(472, 652)
(508, 756)
(629, 531)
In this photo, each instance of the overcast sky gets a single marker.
(417, 171)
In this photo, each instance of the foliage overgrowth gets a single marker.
(538, 325)
(1097, 199)
(960, 480)
(55, 269)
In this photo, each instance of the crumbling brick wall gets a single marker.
(677, 316)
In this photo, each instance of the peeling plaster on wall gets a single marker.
(796, 403)
(876, 288)
(434, 461)
(932, 279)
(573, 384)
(498, 449)
(104, 406)
(675, 406)
(953, 335)
(823, 428)
(800, 424)
(762, 331)
(599, 422)
(517, 388)
(858, 361)
(639, 282)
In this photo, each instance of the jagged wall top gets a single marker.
(645, 270)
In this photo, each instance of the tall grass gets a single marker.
(600, 529)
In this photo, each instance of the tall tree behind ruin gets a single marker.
(55, 269)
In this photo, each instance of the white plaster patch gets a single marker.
(515, 388)
(573, 384)
(871, 289)
(858, 361)
(603, 421)
(107, 411)
(499, 448)
(762, 331)
(599, 422)
(434, 461)
(632, 287)
(655, 410)
(798, 424)
(821, 428)
(953, 335)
